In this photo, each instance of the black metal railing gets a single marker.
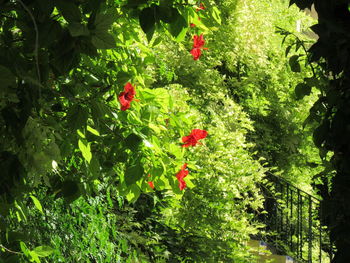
(292, 222)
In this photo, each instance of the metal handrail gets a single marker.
(292, 222)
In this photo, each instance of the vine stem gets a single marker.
(36, 48)
(9, 250)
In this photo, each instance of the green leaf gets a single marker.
(34, 257)
(85, 150)
(288, 50)
(37, 204)
(167, 14)
(77, 116)
(103, 40)
(134, 193)
(148, 21)
(94, 167)
(216, 14)
(294, 63)
(93, 131)
(24, 248)
(132, 141)
(104, 21)
(178, 25)
(43, 251)
(133, 174)
(69, 190)
(70, 11)
(302, 90)
(76, 29)
(320, 134)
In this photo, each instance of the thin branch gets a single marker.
(10, 251)
(36, 48)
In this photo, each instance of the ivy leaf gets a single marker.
(302, 90)
(294, 63)
(37, 204)
(43, 251)
(147, 21)
(133, 174)
(85, 150)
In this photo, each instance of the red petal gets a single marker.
(196, 53)
(199, 134)
(182, 184)
(151, 184)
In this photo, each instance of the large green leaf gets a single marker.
(133, 174)
(302, 90)
(103, 40)
(178, 25)
(132, 141)
(77, 29)
(147, 21)
(70, 11)
(104, 21)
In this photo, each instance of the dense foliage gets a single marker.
(330, 115)
(104, 104)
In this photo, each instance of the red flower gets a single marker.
(196, 53)
(198, 43)
(181, 175)
(192, 139)
(192, 25)
(201, 7)
(150, 183)
(127, 96)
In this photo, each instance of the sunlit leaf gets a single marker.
(37, 203)
(85, 150)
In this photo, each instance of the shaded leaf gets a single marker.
(132, 141)
(70, 11)
(302, 90)
(103, 40)
(178, 25)
(133, 174)
(148, 21)
(76, 29)
(294, 63)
